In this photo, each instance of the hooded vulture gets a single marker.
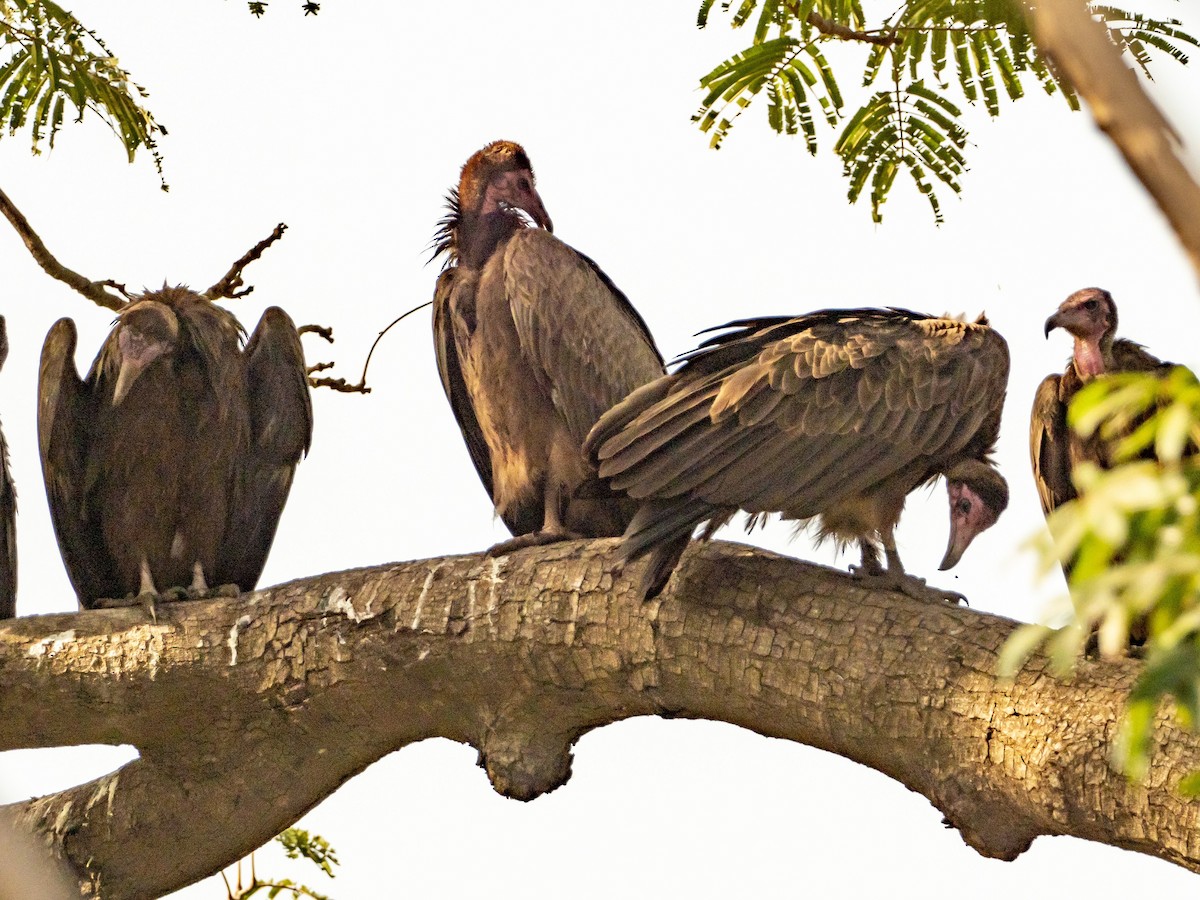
(8, 515)
(533, 343)
(1090, 316)
(169, 465)
(837, 415)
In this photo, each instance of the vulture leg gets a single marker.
(894, 578)
(551, 532)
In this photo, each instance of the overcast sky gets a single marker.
(350, 128)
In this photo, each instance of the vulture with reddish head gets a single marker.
(8, 515)
(169, 465)
(835, 416)
(1090, 317)
(533, 343)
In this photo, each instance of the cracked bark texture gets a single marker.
(247, 712)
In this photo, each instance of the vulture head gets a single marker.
(1090, 316)
(145, 331)
(496, 194)
(978, 494)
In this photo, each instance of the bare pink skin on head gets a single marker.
(147, 333)
(1090, 316)
(969, 516)
(514, 189)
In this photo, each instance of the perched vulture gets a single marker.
(8, 515)
(533, 343)
(1090, 316)
(169, 465)
(837, 415)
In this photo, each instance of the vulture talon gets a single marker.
(837, 416)
(534, 539)
(912, 586)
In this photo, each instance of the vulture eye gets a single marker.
(963, 505)
(1091, 304)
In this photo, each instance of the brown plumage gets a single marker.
(533, 343)
(1090, 316)
(169, 465)
(8, 515)
(836, 415)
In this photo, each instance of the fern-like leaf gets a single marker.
(48, 59)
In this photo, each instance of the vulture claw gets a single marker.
(909, 585)
(534, 539)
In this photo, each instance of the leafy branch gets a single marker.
(297, 843)
(1131, 541)
(48, 59)
(981, 50)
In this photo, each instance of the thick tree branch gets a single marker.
(93, 290)
(249, 711)
(1080, 48)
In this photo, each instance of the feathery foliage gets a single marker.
(926, 60)
(49, 59)
(1133, 540)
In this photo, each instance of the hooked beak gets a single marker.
(960, 539)
(969, 515)
(1055, 321)
(137, 352)
(532, 204)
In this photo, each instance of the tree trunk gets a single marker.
(248, 712)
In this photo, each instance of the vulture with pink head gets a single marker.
(168, 466)
(835, 416)
(1090, 317)
(534, 342)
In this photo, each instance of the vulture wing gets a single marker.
(587, 345)
(1053, 449)
(1048, 445)
(64, 430)
(8, 537)
(453, 384)
(8, 515)
(280, 433)
(806, 414)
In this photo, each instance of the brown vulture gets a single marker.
(837, 415)
(8, 515)
(1090, 316)
(533, 343)
(169, 465)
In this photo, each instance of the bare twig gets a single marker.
(833, 29)
(230, 284)
(319, 367)
(93, 290)
(340, 384)
(322, 331)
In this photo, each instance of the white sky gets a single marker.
(351, 127)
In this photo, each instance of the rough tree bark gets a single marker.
(247, 712)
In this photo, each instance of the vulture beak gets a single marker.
(969, 515)
(137, 351)
(531, 202)
(1062, 318)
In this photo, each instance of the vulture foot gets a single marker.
(533, 539)
(148, 600)
(909, 585)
